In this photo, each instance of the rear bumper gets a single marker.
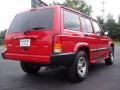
(54, 59)
(27, 58)
(62, 59)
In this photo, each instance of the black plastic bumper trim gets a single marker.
(62, 59)
(3, 52)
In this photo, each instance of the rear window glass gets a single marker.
(42, 18)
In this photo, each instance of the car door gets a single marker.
(71, 34)
(90, 37)
(103, 40)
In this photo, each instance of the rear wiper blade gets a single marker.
(32, 29)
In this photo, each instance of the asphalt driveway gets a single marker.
(100, 77)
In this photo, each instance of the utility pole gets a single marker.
(103, 9)
(37, 3)
(103, 14)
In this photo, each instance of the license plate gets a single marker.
(24, 42)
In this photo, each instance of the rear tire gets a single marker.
(110, 59)
(30, 68)
(79, 69)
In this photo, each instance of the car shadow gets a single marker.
(56, 77)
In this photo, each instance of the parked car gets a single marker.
(57, 36)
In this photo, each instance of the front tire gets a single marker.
(79, 69)
(30, 68)
(110, 59)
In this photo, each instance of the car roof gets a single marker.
(61, 6)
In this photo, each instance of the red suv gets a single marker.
(57, 36)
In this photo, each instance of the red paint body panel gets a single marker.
(43, 59)
(42, 42)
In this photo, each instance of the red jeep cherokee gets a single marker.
(57, 35)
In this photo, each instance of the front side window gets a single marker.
(87, 26)
(97, 28)
(42, 18)
(71, 21)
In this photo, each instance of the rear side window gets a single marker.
(87, 26)
(71, 21)
(42, 18)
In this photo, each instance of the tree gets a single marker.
(101, 20)
(79, 5)
(37, 3)
(2, 36)
(119, 20)
(112, 26)
(110, 19)
(56, 3)
(118, 27)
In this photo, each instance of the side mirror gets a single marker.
(106, 33)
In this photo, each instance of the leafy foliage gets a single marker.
(119, 20)
(101, 20)
(111, 25)
(2, 36)
(79, 5)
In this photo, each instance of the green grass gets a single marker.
(117, 43)
(1, 45)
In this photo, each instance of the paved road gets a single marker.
(101, 77)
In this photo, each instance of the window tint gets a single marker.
(87, 27)
(71, 21)
(96, 27)
(42, 18)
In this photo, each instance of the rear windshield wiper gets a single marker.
(32, 29)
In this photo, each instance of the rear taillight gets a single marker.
(57, 47)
